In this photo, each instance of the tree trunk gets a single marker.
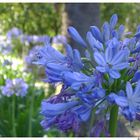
(81, 16)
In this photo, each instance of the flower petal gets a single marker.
(114, 74)
(99, 59)
(76, 36)
(93, 42)
(119, 57)
(113, 21)
(108, 54)
(137, 89)
(83, 112)
(136, 77)
(137, 35)
(101, 69)
(121, 101)
(129, 90)
(49, 109)
(106, 31)
(96, 33)
(120, 66)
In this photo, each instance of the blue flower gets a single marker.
(77, 80)
(73, 57)
(65, 122)
(59, 40)
(130, 104)
(111, 64)
(54, 72)
(76, 36)
(59, 114)
(27, 39)
(96, 33)
(95, 44)
(83, 112)
(136, 76)
(47, 54)
(68, 121)
(16, 86)
(14, 33)
(51, 110)
(91, 96)
(113, 21)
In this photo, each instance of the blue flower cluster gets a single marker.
(92, 83)
(16, 86)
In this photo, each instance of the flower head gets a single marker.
(111, 63)
(130, 104)
(16, 86)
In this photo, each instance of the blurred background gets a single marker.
(24, 26)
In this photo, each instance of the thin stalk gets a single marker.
(13, 117)
(113, 121)
(30, 115)
(32, 106)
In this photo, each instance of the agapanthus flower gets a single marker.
(108, 30)
(58, 112)
(14, 33)
(59, 40)
(77, 80)
(92, 83)
(111, 64)
(16, 86)
(34, 39)
(130, 104)
(76, 36)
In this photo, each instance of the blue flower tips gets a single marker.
(76, 36)
(113, 20)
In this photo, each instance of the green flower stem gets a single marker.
(113, 121)
(30, 115)
(32, 104)
(13, 117)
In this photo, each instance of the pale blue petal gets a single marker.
(108, 54)
(114, 74)
(129, 90)
(83, 112)
(137, 89)
(121, 101)
(137, 35)
(120, 66)
(99, 59)
(119, 57)
(49, 109)
(77, 62)
(106, 31)
(121, 31)
(101, 69)
(93, 42)
(69, 51)
(96, 33)
(76, 36)
(113, 21)
(136, 77)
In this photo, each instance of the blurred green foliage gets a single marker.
(32, 18)
(128, 13)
